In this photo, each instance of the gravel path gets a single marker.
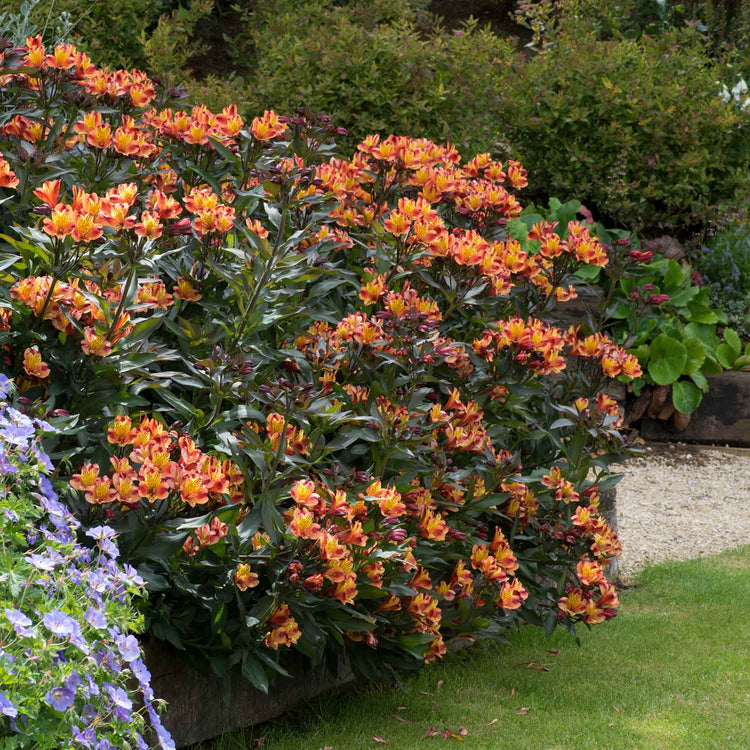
(682, 501)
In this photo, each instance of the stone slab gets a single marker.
(723, 418)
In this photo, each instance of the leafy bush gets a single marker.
(724, 262)
(404, 78)
(635, 129)
(667, 322)
(336, 416)
(68, 666)
(112, 33)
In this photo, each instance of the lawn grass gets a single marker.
(672, 671)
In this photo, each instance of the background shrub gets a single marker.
(634, 128)
(111, 32)
(724, 261)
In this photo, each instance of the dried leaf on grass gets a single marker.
(381, 739)
(523, 710)
(492, 723)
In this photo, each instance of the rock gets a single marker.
(681, 421)
(658, 399)
(667, 246)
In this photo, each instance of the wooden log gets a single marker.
(196, 710)
(723, 417)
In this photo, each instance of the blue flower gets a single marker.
(84, 738)
(95, 618)
(128, 647)
(123, 704)
(59, 623)
(5, 382)
(45, 562)
(60, 698)
(20, 622)
(6, 707)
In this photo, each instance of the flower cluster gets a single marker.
(68, 665)
(158, 463)
(338, 412)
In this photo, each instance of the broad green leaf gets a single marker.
(696, 355)
(733, 340)
(726, 356)
(700, 380)
(686, 396)
(668, 358)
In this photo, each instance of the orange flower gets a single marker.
(268, 127)
(397, 224)
(121, 432)
(512, 595)
(95, 344)
(152, 486)
(573, 603)
(8, 177)
(61, 222)
(193, 490)
(149, 227)
(101, 492)
(589, 572)
(86, 228)
(49, 192)
(303, 493)
(86, 479)
(256, 227)
(244, 578)
(33, 363)
(433, 527)
(100, 136)
(185, 290)
(125, 489)
(303, 525)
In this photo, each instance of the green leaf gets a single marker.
(668, 358)
(674, 276)
(696, 355)
(686, 396)
(254, 673)
(588, 273)
(733, 340)
(726, 356)
(700, 380)
(711, 366)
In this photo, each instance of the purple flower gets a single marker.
(6, 707)
(59, 623)
(95, 618)
(4, 385)
(21, 624)
(101, 532)
(60, 698)
(93, 688)
(84, 738)
(123, 704)
(128, 647)
(46, 562)
(130, 576)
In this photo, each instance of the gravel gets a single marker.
(679, 502)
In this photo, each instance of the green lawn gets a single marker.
(671, 671)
